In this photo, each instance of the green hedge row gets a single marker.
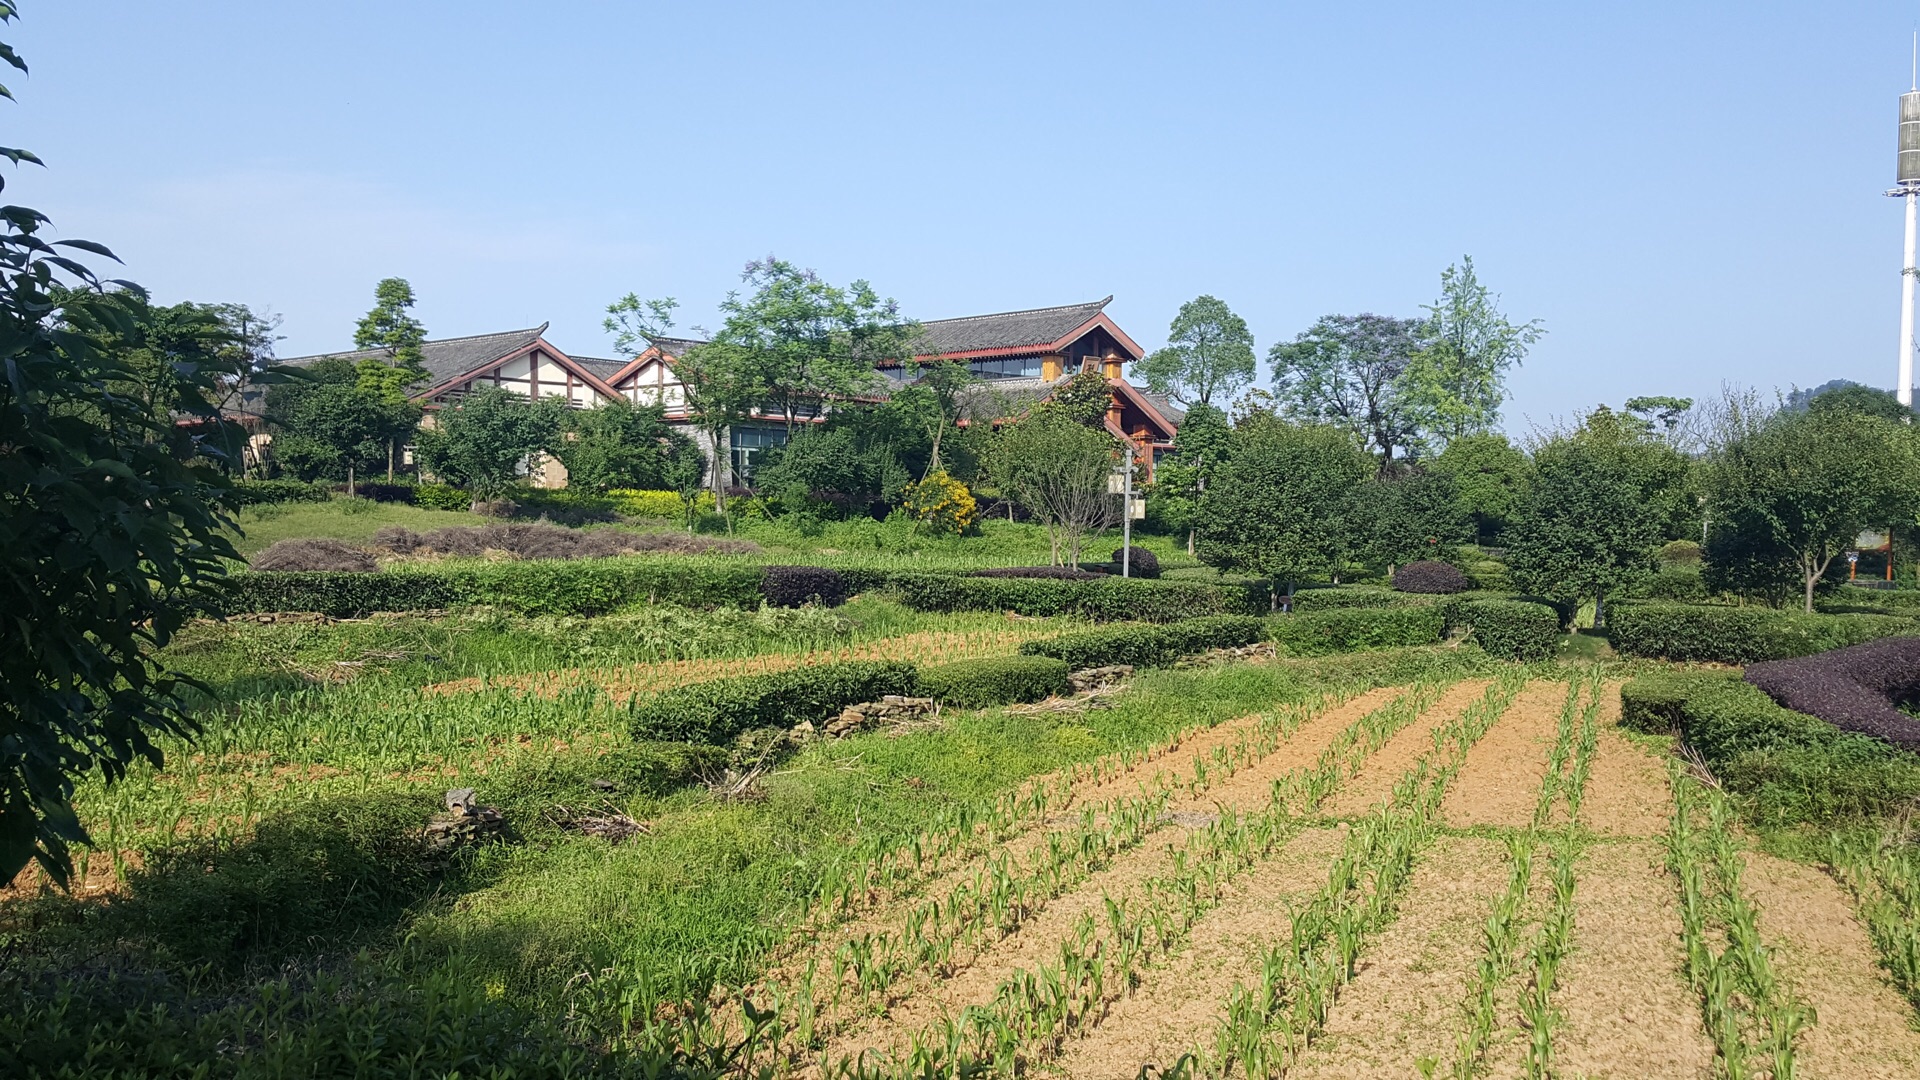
(1349, 596)
(262, 492)
(1739, 635)
(996, 680)
(1148, 646)
(717, 710)
(1317, 633)
(1106, 600)
(1789, 766)
(1508, 629)
(575, 587)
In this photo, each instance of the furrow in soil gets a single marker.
(1500, 782)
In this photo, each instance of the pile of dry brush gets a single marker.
(520, 541)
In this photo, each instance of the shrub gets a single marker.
(1490, 575)
(1349, 629)
(940, 504)
(629, 502)
(1144, 563)
(1854, 689)
(382, 492)
(1346, 596)
(715, 711)
(441, 497)
(1509, 629)
(1107, 599)
(1148, 646)
(1790, 767)
(1432, 577)
(1678, 582)
(1680, 552)
(1057, 573)
(306, 555)
(999, 680)
(262, 492)
(793, 586)
(1730, 635)
(527, 588)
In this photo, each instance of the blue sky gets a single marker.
(1685, 193)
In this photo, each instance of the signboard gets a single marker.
(1873, 540)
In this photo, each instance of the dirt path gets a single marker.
(1864, 1027)
(1500, 782)
(1629, 1012)
(1363, 792)
(1177, 1008)
(1407, 1001)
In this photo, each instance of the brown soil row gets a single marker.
(1864, 1028)
(1366, 790)
(1038, 941)
(1500, 782)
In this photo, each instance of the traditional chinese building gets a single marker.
(1021, 354)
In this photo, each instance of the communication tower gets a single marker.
(1907, 186)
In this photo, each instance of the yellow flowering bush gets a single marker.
(940, 503)
(654, 504)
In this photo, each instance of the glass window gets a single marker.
(748, 443)
(1013, 367)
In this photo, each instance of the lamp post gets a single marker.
(1120, 482)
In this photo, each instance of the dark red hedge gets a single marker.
(1854, 689)
(792, 586)
(1431, 576)
(1145, 563)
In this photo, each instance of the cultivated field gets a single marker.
(1449, 878)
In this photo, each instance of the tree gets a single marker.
(1489, 476)
(617, 445)
(685, 474)
(1660, 414)
(1084, 399)
(935, 401)
(114, 524)
(1603, 498)
(1180, 478)
(1208, 356)
(335, 428)
(808, 341)
(1057, 470)
(391, 327)
(1455, 385)
(1350, 370)
(1277, 506)
(483, 443)
(1401, 520)
(1795, 492)
(1862, 400)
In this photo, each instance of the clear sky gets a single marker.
(1685, 193)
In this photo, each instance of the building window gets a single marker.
(747, 444)
(1014, 367)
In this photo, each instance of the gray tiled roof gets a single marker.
(1006, 330)
(675, 346)
(598, 365)
(446, 357)
(1165, 404)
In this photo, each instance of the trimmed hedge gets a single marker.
(1349, 629)
(1041, 573)
(793, 586)
(441, 497)
(1148, 646)
(1508, 629)
(715, 711)
(1109, 599)
(1854, 688)
(261, 492)
(593, 587)
(999, 680)
(1348, 596)
(1790, 767)
(1432, 577)
(1730, 635)
(1142, 564)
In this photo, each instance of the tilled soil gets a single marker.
(1864, 1027)
(1500, 782)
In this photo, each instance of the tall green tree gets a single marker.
(1351, 370)
(1278, 507)
(1402, 519)
(1180, 478)
(1057, 469)
(1208, 357)
(484, 442)
(391, 328)
(337, 430)
(114, 524)
(1489, 477)
(935, 401)
(1084, 399)
(809, 342)
(1455, 385)
(618, 445)
(1603, 499)
(1793, 494)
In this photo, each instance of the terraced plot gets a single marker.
(1467, 879)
